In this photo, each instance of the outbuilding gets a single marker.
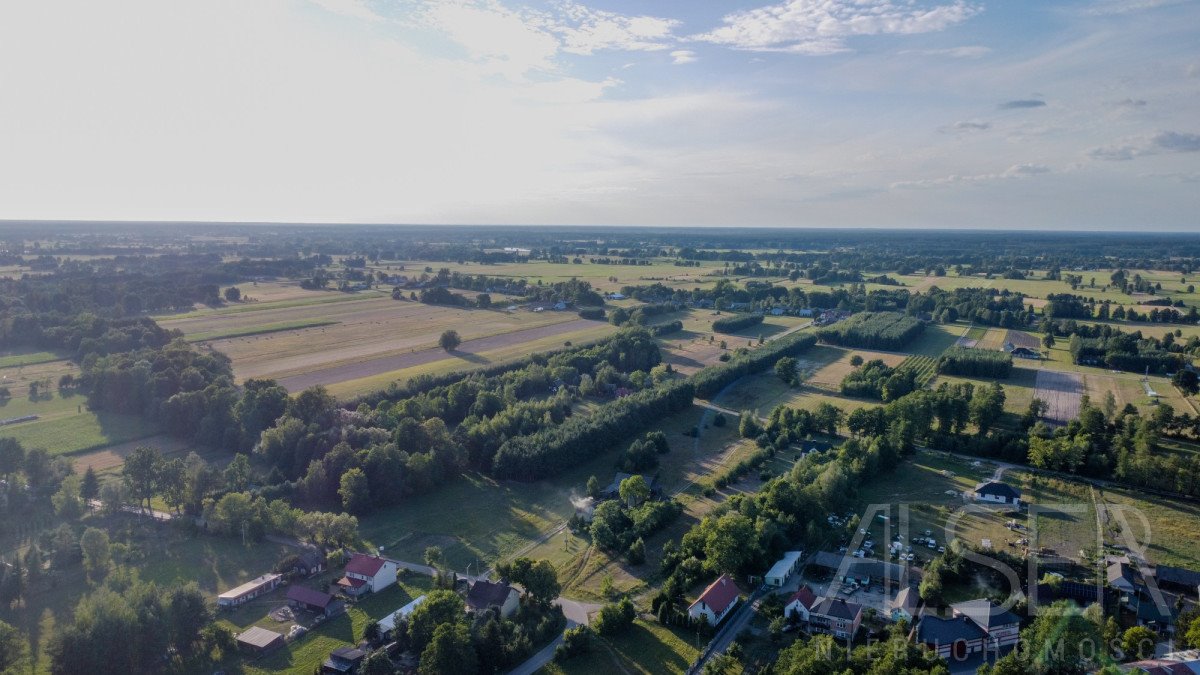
(783, 570)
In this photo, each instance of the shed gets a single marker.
(782, 570)
(258, 640)
(249, 590)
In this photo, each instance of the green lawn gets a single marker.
(70, 429)
(1064, 514)
(12, 359)
(305, 655)
(262, 329)
(647, 647)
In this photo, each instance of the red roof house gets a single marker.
(716, 600)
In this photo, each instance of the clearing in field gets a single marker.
(829, 374)
(993, 339)
(1062, 392)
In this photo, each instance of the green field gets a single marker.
(262, 329)
(15, 359)
(648, 647)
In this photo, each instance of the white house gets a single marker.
(368, 573)
(486, 594)
(715, 603)
(781, 571)
(995, 492)
(799, 605)
(904, 605)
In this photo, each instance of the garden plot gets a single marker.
(994, 339)
(1020, 338)
(1062, 393)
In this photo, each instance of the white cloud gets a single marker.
(822, 26)
(1112, 7)
(965, 52)
(1013, 172)
(584, 30)
(682, 56)
(357, 9)
(1163, 142)
(493, 35)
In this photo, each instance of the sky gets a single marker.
(1082, 114)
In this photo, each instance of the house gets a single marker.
(368, 573)
(1173, 663)
(1022, 352)
(308, 562)
(615, 296)
(486, 594)
(782, 570)
(997, 492)
(258, 640)
(343, 660)
(799, 605)
(904, 606)
(613, 491)
(955, 637)
(388, 623)
(836, 617)
(312, 600)
(1002, 626)
(1178, 578)
(1124, 578)
(811, 446)
(249, 590)
(715, 603)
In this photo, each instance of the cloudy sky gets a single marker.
(825, 113)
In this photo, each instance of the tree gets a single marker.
(593, 486)
(785, 370)
(434, 557)
(856, 360)
(1062, 639)
(377, 663)
(483, 300)
(1138, 643)
(238, 474)
(449, 340)
(634, 490)
(12, 457)
(440, 607)
(355, 491)
(172, 482)
(233, 294)
(541, 582)
(637, 552)
(141, 473)
(12, 648)
(449, 651)
(187, 615)
(97, 552)
(89, 488)
(731, 543)
(1048, 340)
(66, 500)
(1187, 381)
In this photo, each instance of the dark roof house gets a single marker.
(985, 614)
(486, 594)
(936, 630)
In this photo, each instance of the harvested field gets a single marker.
(384, 364)
(367, 328)
(993, 339)
(1062, 392)
(688, 352)
(112, 457)
(1020, 338)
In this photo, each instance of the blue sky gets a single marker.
(823, 113)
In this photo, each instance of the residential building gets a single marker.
(905, 605)
(955, 637)
(836, 617)
(312, 600)
(715, 603)
(613, 491)
(368, 574)
(1001, 626)
(783, 570)
(997, 492)
(486, 594)
(798, 606)
(249, 590)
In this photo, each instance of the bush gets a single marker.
(615, 618)
(593, 313)
(576, 641)
(730, 324)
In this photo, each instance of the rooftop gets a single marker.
(250, 586)
(485, 594)
(997, 489)
(720, 594)
(366, 565)
(936, 630)
(257, 636)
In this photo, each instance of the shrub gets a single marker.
(731, 324)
